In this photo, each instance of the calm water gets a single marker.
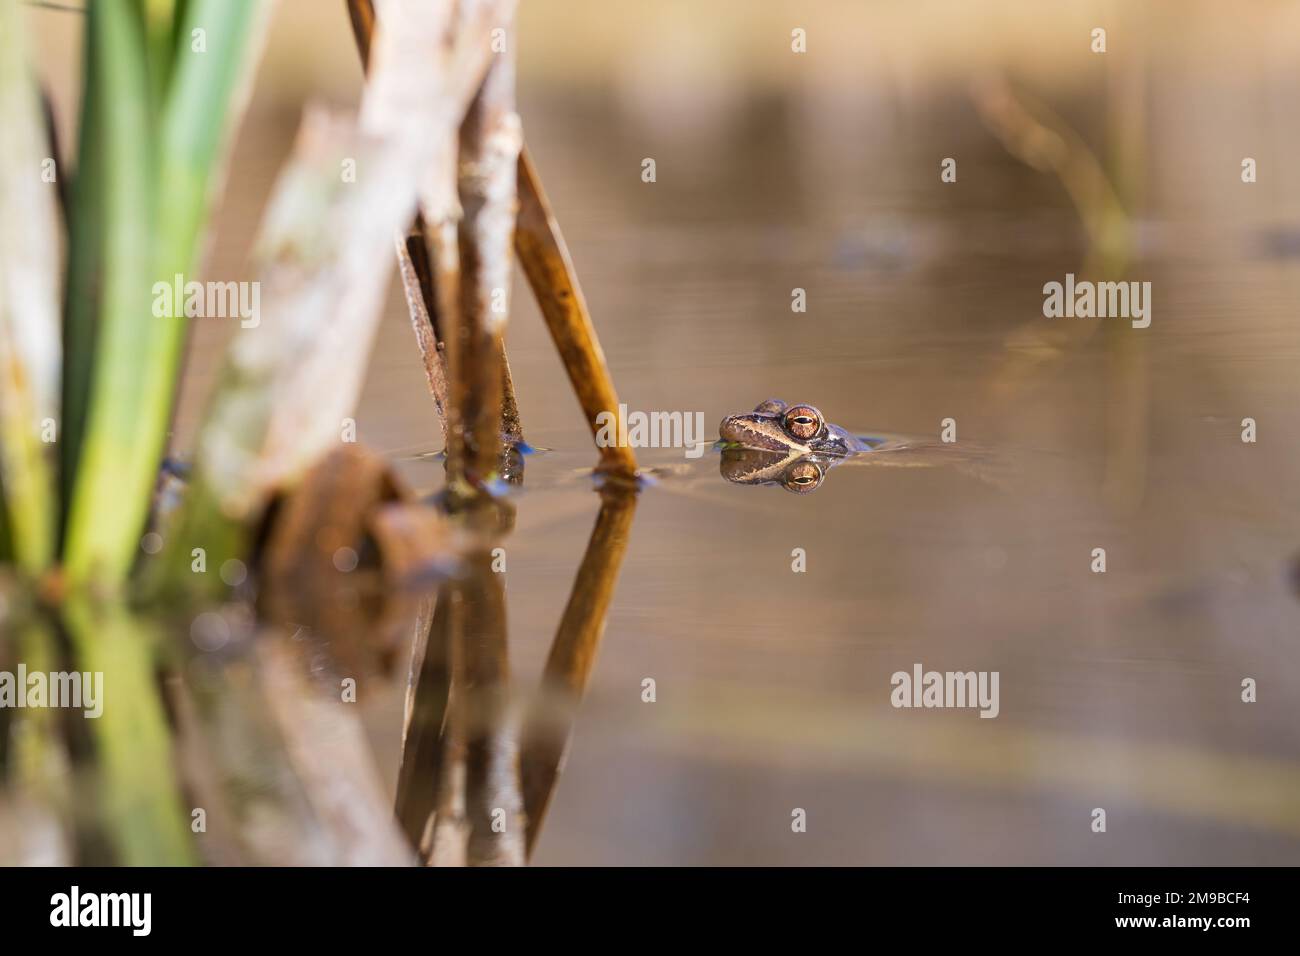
(1118, 690)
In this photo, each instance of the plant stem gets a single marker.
(545, 260)
(490, 141)
(85, 262)
(139, 352)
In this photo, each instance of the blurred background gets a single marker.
(820, 171)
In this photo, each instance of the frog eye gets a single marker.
(803, 477)
(802, 421)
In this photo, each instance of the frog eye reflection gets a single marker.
(803, 421)
(803, 477)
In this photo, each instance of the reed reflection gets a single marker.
(480, 763)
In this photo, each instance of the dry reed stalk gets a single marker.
(288, 384)
(429, 249)
(490, 141)
(440, 217)
(545, 260)
(418, 300)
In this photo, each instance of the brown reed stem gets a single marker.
(431, 302)
(546, 262)
(490, 141)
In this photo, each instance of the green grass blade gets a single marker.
(85, 262)
(160, 43)
(138, 355)
(205, 98)
(110, 488)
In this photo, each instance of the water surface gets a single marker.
(1118, 690)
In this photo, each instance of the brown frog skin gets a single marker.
(790, 445)
(794, 446)
(776, 426)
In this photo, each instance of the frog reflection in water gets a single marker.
(794, 446)
(790, 445)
